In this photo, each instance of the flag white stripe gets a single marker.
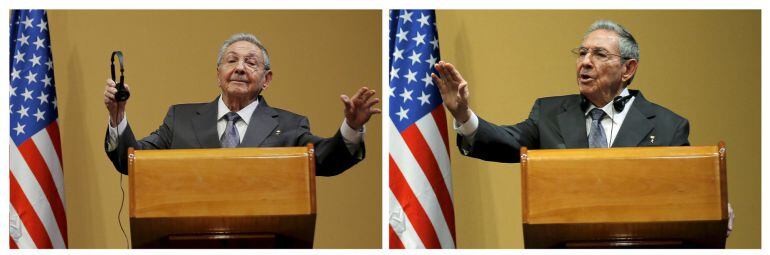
(45, 146)
(409, 237)
(35, 196)
(420, 185)
(428, 128)
(25, 241)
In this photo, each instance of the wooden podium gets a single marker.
(222, 198)
(652, 197)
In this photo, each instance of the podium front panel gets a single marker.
(623, 185)
(221, 182)
(652, 197)
(222, 198)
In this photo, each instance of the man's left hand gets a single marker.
(359, 109)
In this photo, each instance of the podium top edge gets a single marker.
(224, 152)
(675, 151)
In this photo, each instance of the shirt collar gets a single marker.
(609, 108)
(245, 113)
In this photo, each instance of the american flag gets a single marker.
(37, 208)
(421, 210)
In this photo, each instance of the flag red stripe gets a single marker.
(395, 242)
(43, 176)
(27, 214)
(427, 161)
(412, 207)
(13, 244)
(439, 116)
(53, 132)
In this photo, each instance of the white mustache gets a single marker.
(239, 78)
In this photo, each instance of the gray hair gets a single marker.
(629, 49)
(244, 37)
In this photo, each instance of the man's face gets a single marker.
(241, 72)
(600, 78)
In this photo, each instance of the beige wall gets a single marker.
(704, 65)
(170, 59)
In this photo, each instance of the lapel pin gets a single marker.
(278, 132)
(652, 139)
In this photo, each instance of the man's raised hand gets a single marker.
(115, 108)
(453, 89)
(360, 108)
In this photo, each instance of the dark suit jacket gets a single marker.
(190, 126)
(559, 123)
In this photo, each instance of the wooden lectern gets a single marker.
(222, 198)
(651, 197)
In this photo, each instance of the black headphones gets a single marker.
(619, 103)
(122, 94)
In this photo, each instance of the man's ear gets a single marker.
(629, 69)
(218, 81)
(268, 79)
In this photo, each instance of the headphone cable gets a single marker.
(120, 211)
(612, 126)
(122, 191)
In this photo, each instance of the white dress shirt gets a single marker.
(242, 123)
(612, 121)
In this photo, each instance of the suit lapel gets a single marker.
(205, 125)
(262, 123)
(637, 124)
(572, 124)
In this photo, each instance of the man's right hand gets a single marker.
(454, 91)
(116, 109)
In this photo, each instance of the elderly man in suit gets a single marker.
(241, 117)
(605, 113)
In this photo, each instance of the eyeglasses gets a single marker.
(249, 63)
(597, 54)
